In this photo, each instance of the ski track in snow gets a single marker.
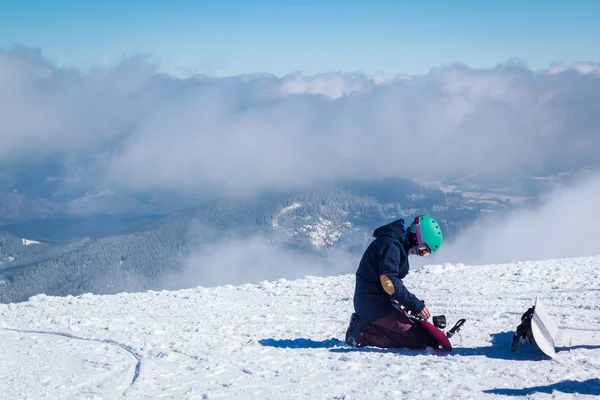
(47, 365)
(71, 336)
(284, 339)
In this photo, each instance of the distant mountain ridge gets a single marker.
(340, 217)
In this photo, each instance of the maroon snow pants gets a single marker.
(394, 330)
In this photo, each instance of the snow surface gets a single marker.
(284, 339)
(27, 242)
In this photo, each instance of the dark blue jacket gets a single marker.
(380, 273)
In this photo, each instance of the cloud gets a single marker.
(578, 67)
(130, 126)
(332, 85)
(565, 225)
(240, 261)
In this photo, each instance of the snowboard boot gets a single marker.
(353, 330)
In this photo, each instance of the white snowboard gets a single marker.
(544, 329)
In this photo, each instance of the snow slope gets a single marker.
(279, 340)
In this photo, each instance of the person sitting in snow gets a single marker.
(379, 291)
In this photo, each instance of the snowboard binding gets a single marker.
(439, 321)
(524, 333)
(536, 328)
(456, 328)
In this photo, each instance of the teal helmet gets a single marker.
(428, 232)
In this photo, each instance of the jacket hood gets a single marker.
(395, 229)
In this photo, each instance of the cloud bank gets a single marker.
(129, 126)
(255, 259)
(564, 226)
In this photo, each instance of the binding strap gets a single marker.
(455, 328)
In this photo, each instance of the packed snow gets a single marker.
(284, 339)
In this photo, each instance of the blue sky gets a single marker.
(232, 37)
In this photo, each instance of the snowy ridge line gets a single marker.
(128, 349)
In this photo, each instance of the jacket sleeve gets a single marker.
(390, 257)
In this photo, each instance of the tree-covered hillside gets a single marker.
(340, 217)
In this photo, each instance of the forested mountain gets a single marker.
(340, 217)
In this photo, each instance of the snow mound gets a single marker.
(284, 339)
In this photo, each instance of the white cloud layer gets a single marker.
(565, 225)
(131, 126)
(236, 262)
